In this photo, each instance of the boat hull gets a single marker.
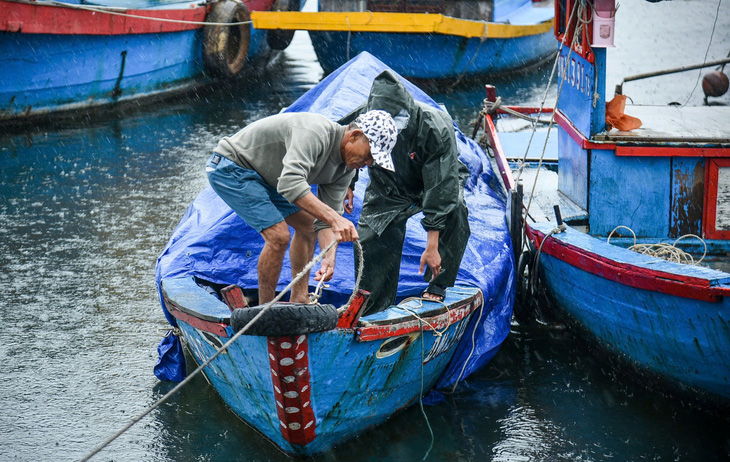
(69, 61)
(677, 331)
(435, 56)
(308, 393)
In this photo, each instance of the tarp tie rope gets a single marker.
(220, 351)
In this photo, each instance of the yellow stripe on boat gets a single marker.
(410, 23)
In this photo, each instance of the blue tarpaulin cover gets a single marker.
(212, 243)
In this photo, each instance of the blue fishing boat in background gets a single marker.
(628, 216)
(427, 39)
(73, 55)
(335, 374)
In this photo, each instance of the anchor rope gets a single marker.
(222, 349)
(423, 410)
(112, 11)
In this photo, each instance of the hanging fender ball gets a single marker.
(225, 48)
(715, 84)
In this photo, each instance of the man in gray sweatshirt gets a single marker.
(265, 173)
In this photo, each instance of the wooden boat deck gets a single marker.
(546, 196)
(669, 124)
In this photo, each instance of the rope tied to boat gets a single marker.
(225, 346)
(664, 250)
(420, 300)
(115, 12)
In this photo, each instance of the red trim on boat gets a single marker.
(491, 131)
(663, 151)
(289, 364)
(627, 274)
(217, 328)
(438, 322)
(712, 172)
(348, 319)
(64, 20)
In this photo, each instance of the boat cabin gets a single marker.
(668, 178)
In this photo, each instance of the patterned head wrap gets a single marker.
(380, 130)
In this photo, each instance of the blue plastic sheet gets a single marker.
(171, 363)
(212, 243)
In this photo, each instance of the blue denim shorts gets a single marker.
(249, 195)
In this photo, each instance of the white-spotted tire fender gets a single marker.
(285, 319)
(280, 39)
(225, 48)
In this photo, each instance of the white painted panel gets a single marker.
(722, 219)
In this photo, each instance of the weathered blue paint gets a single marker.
(632, 192)
(598, 106)
(50, 73)
(351, 387)
(668, 319)
(43, 73)
(678, 338)
(688, 180)
(572, 169)
(577, 89)
(433, 56)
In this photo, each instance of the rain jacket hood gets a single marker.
(428, 176)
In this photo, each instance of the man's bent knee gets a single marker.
(277, 236)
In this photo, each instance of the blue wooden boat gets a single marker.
(74, 55)
(313, 388)
(625, 200)
(427, 39)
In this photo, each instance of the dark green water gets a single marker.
(85, 210)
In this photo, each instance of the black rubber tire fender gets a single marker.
(225, 48)
(286, 319)
(280, 39)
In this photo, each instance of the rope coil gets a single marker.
(663, 250)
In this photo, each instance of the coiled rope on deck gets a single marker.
(225, 346)
(664, 250)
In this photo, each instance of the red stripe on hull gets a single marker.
(60, 20)
(441, 321)
(627, 274)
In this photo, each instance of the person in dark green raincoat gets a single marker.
(428, 177)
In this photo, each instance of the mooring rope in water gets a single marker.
(113, 11)
(437, 332)
(218, 352)
(663, 250)
(423, 410)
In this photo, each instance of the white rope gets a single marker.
(215, 355)
(663, 250)
(111, 11)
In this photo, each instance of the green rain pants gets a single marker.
(382, 257)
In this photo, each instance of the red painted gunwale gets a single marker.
(217, 328)
(441, 321)
(60, 20)
(627, 274)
